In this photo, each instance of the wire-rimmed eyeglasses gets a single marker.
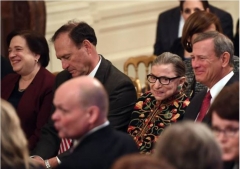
(162, 79)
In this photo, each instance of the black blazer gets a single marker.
(168, 25)
(122, 98)
(195, 104)
(99, 150)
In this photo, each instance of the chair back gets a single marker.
(135, 62)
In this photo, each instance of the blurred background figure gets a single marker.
(29, 90)
(164, 104)
(170, 22)
(14, 147)
(6, 67)
(138, 161)
(225, 124)
(188, 145)
(236, 40)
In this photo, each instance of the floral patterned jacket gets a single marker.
(150, 118)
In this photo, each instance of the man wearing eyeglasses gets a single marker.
(225, 124)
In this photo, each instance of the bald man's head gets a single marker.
(81, 104)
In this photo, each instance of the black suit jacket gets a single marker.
(99, 150)
(122, 98)
(168, 25)
(195, 104)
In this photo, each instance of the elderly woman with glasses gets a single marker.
(164, 104)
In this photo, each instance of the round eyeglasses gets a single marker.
(162, 79)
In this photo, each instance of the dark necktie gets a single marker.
(205, 106)
(65, 145)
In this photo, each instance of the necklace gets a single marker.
(21, 90)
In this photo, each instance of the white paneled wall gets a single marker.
(123, 28)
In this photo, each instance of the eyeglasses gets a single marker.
(229, 132)
(162, 79)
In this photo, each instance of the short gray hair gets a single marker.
(188, 145)
(221, 43)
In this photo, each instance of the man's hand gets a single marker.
(52, 161)
(38, 160)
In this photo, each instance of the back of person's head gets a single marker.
(204, 3)
(228, 95)
(221, 43)
(36, 42)
(198, 22)
(138, 161)
(93, 94)
(14, 150)
(188, 145)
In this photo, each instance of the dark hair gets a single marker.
(81, 32)
(65, 28)
(221, 43)
(36, 43)
(204, 3)
(228, 95)
(198, 22)
(78, 32)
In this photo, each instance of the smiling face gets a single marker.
(162, 92)
(191, 6)
(74, 59)
(22, 59)
(228, 144)
(206, 65)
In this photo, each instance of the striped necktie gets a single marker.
(65, 145)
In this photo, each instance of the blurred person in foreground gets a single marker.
(189, 145)
(224, 113)
(163, 105)
(14, 146)
(139, 161)
(81, 114)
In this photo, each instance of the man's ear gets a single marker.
(225, 58)
(207, 10)
(87, 45)
(93, 114)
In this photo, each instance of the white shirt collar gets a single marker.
(94, 71)
(219, 85)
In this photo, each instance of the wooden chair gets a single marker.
(135, 62)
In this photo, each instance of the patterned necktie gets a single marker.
(65, 145)
(205, 106)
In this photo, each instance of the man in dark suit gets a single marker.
(212, 63)
(81, 114)
(75, 46)
(171, 21)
